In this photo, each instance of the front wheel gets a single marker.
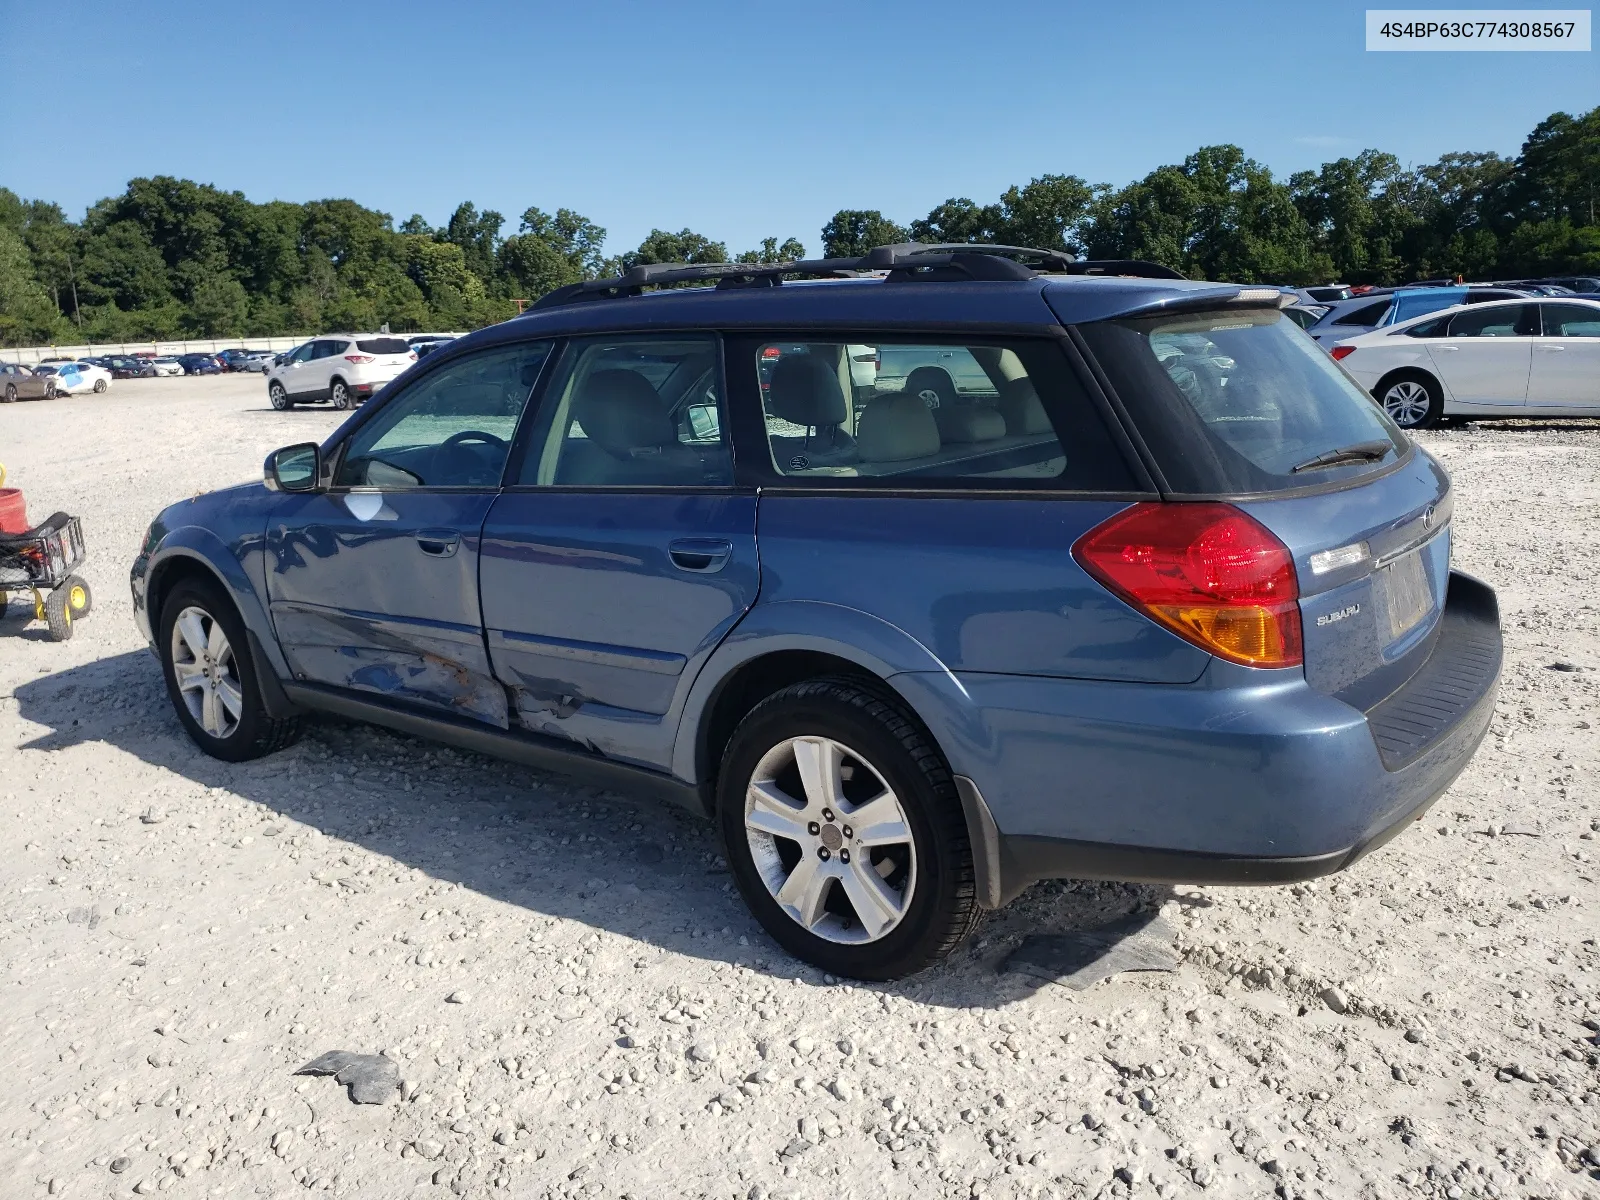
(279, 397)
(341, 395)
(99, 386)
(58, 615)
(211, 677)
(11, 393)
(1413, 401)
(844, 833)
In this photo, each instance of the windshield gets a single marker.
(1242, 402)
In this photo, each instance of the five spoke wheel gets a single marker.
(830, 840)
(206, 673)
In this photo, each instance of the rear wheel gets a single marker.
(844, 833)
(99, 385)
(341, 395)
(11, 393)
(1413, 400)
(79, 598)
(211, 677)
(279, 397)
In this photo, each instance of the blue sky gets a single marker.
(740, 120)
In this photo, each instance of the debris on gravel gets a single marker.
(371, 1078)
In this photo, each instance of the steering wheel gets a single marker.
(453, 459)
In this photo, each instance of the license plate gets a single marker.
(1407, 591)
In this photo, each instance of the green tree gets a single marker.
(219, 307)
(1353, 217)
(771, 252)
(478, 235)
(851, 232)
(685, 246)
(551, 251)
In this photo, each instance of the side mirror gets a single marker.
(294, 468)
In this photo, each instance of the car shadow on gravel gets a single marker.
(537, 841)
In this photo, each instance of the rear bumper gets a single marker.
(1246, 777)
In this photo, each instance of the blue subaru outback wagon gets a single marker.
(1119, 577)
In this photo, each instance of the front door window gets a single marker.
(451, 429)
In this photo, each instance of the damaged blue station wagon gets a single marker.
(924, 575)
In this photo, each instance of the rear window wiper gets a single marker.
(1360, 452)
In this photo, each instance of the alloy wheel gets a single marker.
(207, 675)
(1407, 402)
(830, 840)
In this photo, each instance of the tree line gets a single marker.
(170, 257)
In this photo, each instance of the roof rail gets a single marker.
(904, 261)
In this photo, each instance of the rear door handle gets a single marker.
(1449, 347)
(440, 543)
(1553, 349)
(700, 554)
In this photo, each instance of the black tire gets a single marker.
(99, 386)
(1407, 406)
(340, 395)
(943, 907)
(58, 615)
(79, 598)
(279, 397)
(255, 733)
(11, 393)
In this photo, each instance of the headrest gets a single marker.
(895, 428)
(805, 390)
(1020, 406)
(931, 379)
(960, 423)
(622, 413)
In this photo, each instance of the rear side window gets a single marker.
(1241, 402)
(898, 413)
(1571, 320)
(387, 345)
(1370, 314)
(1509, 320)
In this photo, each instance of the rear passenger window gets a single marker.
(388, 345)
(932, 414)
(634, 412)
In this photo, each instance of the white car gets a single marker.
(343, 368)
(259, 360)
(73, 378)
(1509, 358)
(167, 364)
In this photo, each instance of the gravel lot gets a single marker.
(579, 1006)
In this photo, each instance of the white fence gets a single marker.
(29, 355)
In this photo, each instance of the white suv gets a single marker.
(342, 368)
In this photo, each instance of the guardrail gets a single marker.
(30, 355)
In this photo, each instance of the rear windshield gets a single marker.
(1242, 402)
(384, 346)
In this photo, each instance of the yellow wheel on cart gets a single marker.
(79, 598)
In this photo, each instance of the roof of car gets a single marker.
(1044, 302)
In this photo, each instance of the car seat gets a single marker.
(804, 390)
(629, 436)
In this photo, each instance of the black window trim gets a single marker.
(751, 447)
(533, 419)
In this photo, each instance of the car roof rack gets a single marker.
(903, 261)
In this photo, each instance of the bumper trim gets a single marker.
(1462, 668)
(1034, 858)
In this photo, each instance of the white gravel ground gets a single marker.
(579, 1005)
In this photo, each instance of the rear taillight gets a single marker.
(1339, 352)
(358, 358)
(1208, 572)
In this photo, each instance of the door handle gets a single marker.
(1553, 349)
(441, 543)
(700, 554)
(1449, 347)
